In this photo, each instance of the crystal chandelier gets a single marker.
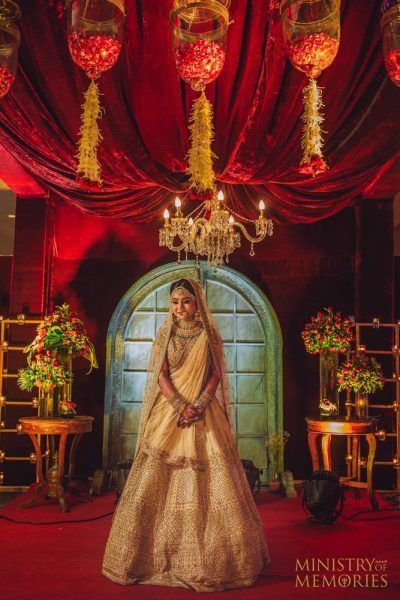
(212, 230)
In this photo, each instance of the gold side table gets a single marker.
(37, 426)
(355, 428)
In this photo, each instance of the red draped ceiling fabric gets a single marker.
(257, 101)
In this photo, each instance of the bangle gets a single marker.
(203, 401)
(177, 403)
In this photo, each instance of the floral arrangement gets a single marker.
(327, 408)
(66, 407)
(63, 332)
(59, 336)
(45, 372)
(361, 374)
(328, 331)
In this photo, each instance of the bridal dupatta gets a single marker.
(158, 354)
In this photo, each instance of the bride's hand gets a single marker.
(188, 416)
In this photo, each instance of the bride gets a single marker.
(186, 516)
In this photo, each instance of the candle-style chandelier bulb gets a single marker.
(190, 221)
(231, 220)
(166, 213)
(178, 202)
(220, 196)
(261, 205)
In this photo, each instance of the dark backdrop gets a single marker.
(346, 261)
(301, 269)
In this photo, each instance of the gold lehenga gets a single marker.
(186, 517)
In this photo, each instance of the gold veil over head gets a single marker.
(158, 354)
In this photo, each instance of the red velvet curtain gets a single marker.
(257, 102)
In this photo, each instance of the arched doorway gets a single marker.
(252, 344)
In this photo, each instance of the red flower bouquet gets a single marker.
(361, 374)
(327, 332)
(64, 333)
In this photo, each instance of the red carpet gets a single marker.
(63, 561)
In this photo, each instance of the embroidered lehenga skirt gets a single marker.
(186, 516)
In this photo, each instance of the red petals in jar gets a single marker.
(6, 80)
(312, 53)
(316, 166)
(392, 64)
(93, 53)
(200, 61)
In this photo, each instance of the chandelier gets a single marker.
(212, 230)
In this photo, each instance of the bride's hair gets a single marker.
(182, 283)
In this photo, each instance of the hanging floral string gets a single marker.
(94, 41)
(311, 141)
(90, 136)
(200, 155)
(311, 32)
(199, 41)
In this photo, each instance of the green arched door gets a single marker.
(252, 346)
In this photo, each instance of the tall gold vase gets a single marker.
(49, 402)
(65, 391)
(361, 406)
(46, 404)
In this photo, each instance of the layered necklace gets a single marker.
(187, 329)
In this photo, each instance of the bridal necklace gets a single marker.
(187, 329)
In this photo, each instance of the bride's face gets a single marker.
(183, 306)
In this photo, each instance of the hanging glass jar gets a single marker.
(390, 28)
(9, 44)
(328, 392)
(311, 33)
(95, 33)
(199, 35)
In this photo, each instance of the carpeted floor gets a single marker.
(63, 561)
